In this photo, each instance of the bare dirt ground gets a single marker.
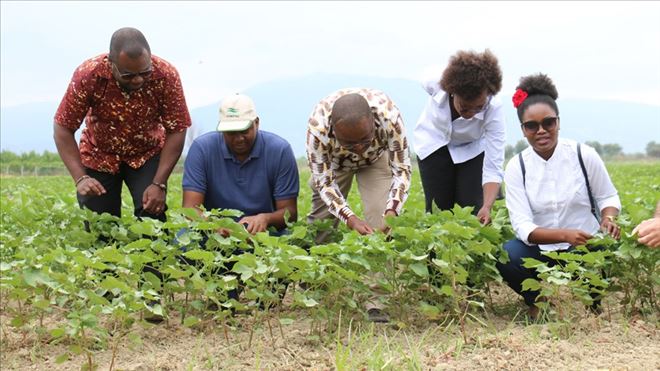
(609, 341)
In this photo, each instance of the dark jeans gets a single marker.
(446, 183)
(137, 180)
(514, 273)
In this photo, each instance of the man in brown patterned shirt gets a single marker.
(358, 132)
(136, 119)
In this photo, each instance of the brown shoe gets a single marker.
(533, 313)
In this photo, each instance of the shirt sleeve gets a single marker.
(319, 157)
(399, 159)
(517, 202)
(601, 185)
(287, 184)
(174, 110)
(75, 104)
(494, 146)
(194, 170)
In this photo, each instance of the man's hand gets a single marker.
(576, 237)
(610, 227)
(386, 228)
(153, 200)
(256, 223)
(90, 186)
(484, 215)
(359, 225)
(224, 232)
(648, 232)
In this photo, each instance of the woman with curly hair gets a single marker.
(556, 189)
(459, 137)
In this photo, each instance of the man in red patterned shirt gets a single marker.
(136, 119)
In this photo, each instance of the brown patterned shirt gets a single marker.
(326, 156)
(129, 127)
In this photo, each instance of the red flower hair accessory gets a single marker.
(518, 97)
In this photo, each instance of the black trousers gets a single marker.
(137, 180)
(446, 183)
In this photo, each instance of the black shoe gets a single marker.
(377, 315)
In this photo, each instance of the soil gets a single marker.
(609, 341)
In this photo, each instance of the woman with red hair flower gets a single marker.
(557, 190)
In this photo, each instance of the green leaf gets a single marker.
(198, 254)
(447, 290)
(62, 358)
(531, 284)
(309, 302)
(420, 269)
(190, 321)
(57, 332)
(430, 311)
(245, 271)
(286, 321)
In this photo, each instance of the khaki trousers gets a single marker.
(374, 184)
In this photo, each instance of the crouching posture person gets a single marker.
(243, 168)
(552, 189)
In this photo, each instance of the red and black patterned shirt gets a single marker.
(129, 127)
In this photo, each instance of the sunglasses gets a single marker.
(131, 75)
(548, 124)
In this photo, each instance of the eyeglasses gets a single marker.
(131, 75)
(352, 146)
(458, 101)
(548, 124)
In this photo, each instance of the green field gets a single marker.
(73, 298)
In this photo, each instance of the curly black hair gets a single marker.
(539, 89)
(470, 73)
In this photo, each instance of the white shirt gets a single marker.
(555, 193)
(465, 138)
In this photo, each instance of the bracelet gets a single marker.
(611, 218)
(82, 178)
(162, 186)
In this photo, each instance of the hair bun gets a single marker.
(538, 84)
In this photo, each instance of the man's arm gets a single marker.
(67, 147)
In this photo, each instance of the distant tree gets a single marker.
(520, 146)
(8, 156)
(596, 145)
(611, 150)
(653, 149)
(508, 151)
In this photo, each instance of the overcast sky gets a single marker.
(593, 50)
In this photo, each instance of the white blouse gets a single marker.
(465, 138)
(555, 193)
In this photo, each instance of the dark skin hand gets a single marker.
(255, 223)
(153, 198)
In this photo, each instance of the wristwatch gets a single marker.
(162, 186)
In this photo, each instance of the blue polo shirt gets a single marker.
(269, 173)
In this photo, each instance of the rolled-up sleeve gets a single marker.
(495, 141)
(517, 203)
(399, 159)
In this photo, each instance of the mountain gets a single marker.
(284, 106)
